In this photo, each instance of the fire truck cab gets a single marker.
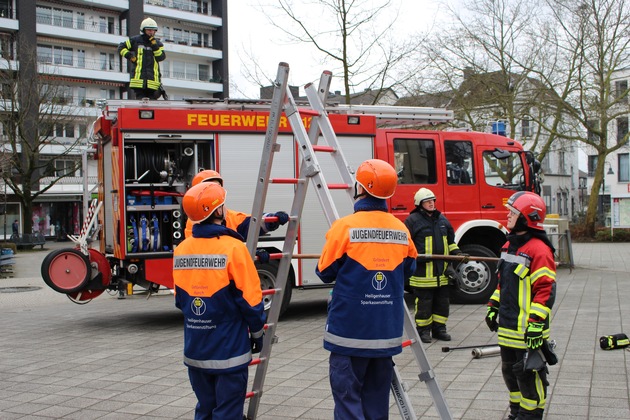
(149, 151)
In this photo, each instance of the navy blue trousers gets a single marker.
(219, 396)
(360, 386)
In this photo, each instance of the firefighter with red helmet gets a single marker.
(520, 308)
(144, 53)
(218, 290)
(432, 233)
(236, 220)
(370, 255)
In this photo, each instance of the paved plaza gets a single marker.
(122, 359)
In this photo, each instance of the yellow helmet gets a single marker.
(148, 23)
(423, 194)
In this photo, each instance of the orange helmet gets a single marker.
(202, 200)
(207, 175)
(529, 205)
(377, 177)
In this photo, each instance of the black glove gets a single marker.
(131, 57)
(154, 44)
(283, 218)
(263, 255)
(491, 318)
(256, 343)
(451, 273)
(534, 334)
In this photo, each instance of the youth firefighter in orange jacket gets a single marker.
(218, 290)
(233, 219)
(520, 308)
(369, 254)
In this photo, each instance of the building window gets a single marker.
(561, 164)
(621, 91)
(66, 167)
(623, 172)
(592, 165)
(622, 128)
(526, 129)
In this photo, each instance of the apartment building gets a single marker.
(75, 44)
(614, 194)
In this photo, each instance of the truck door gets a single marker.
(461, 183)
(415, 157)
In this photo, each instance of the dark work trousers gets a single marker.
(360, 386)
(432, 306)
(528, 390)
(145, 93)
(219, 396)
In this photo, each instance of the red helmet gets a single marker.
(377, 177)
(206, 176)
(531, 206)
(202, 200)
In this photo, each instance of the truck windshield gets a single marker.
(505, 171)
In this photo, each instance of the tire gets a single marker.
(66, 270)
(477, 279)
(268, 274)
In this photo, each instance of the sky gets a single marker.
(251, 34)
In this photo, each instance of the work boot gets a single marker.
(440, 334)
(425, 335)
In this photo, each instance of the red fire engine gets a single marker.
(148, 152)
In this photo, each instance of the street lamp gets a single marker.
(610, 172)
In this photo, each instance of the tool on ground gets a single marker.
(447, 349)
(311, 172)
(615, 341)
(481, 352)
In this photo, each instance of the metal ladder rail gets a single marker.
(269, 148)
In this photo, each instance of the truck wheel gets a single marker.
(268, 273)
(66, 270)
(477, 280)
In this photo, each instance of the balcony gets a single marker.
(79, 30)
(108, 70)
(180, 10)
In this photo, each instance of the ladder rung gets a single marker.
(284, 180)
(251, 394)
(309, 112)
(338, 186)
(408, 343)
(277, 255)
(256, 361)
(324, 148)
(270, 292)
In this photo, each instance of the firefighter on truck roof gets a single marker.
(369, 254)
(144, 53)
(218, 290)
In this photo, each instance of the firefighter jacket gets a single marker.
(526, 289)
(145, 72)
(234, 220)
(369, 254)
(432, 234)
(218, 290)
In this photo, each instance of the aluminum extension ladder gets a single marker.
(310, 170)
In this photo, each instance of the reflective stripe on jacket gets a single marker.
(145, 72)
(369, 254)
(431, 234)
(526, 290)
(218, 290)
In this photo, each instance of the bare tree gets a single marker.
(31, 108)
(588, 43)
(346, 32)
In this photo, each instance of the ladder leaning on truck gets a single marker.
(148, 152)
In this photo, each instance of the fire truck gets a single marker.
(149, 151)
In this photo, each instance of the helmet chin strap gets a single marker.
(356, 191)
